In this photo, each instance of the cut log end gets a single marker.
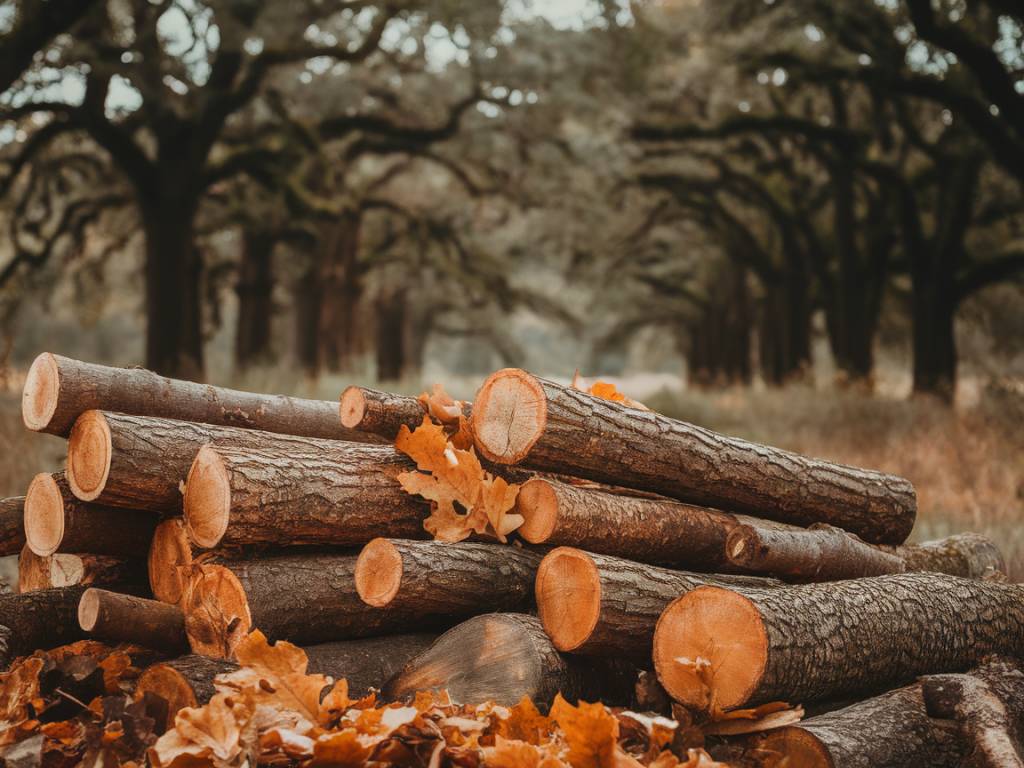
(217, 614)
(509, 415)
(89, 610)
(352, 408)
(89, 454)
(710, 641)
(44, 515)
(169, 684)
(207, 498)
(68, 570)
(378, 573)
(568, 590)
(797, 748)
(170, 557)
(538, 504)
(41, 394)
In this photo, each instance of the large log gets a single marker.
(965, 554)
(38, 621)
(58, 390)
(519, 418)
(57, 521)
(303, 598)
(502, 657)
(129, 619)
(288, 495)
(68, 570)
(414, 581)
(813, 641)
(12, 526)
(606, 606)
(379, 413)
(645, 529)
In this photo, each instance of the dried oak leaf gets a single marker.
(456, 477)
(18, 689)
(775, 714)
(450, 413)
(345, 749)
(590, 731)
(526, 723)
(511, 753)
(210, 735)
(606, 391)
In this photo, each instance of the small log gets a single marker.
(606, 606)
(68, 570)
(38, 621)
(888, 731)
(379, 413)
(288, 495)
(56, 521)
(970, 555)
(519, 418)
(645, 529)
(502, 657)
(58, 390)
(303, 598)
(128, 619)
(813, 641)
(422, 580)
(183, 682)
(12, 525)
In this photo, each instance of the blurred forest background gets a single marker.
(799, 221)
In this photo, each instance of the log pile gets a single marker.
(639, 549)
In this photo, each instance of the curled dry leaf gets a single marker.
(449, 413)
(606, 391)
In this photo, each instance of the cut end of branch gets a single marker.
(509, 415)
(721, 627)
(169, 684)
(797, 748)
(217, 613)
(207, 498)
(41, 394)
(89, 610)
(169, 562)
(741, 544)
(89, 454)
(44, 515)
(538, 504)
(353, 407)
(568, 589)
(378, 573)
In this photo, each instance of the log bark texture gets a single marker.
(58, 390)
(815, 641)
(57, 521)
(965, 554)
(413, 581)
(379, 413)
(605, 606)
(503, 657)
(124, 618)
(288, 495)
(12, 525)
(648, 530)
(38, 620)
(519, 418)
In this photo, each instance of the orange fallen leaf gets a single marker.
(591, 733)
(606, 391)
(449, 412)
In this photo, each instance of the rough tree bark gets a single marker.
(58, 390)
(815, 641)
(38, 621)
(520, 418)
(120, 618)
(56, 521)
(12, 525)
(287, 495)
(965, 554)
(502, 657)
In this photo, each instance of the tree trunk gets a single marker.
(38, 621)
(122, 618)
(12, 526)
(255, 289)
(340, 287)
(465, 662)
(287, 495)
(141, 462)
(605, 606)
(56, 521)
(380, 413)
(417, 581)
(520, 418)
(307, 297)
(933, 310)
(825, 640)
(391, 340)
(970, 555)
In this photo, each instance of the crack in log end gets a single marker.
(207, 498)
(44, 515)
(41, 394)
(378, 573)
(352, 407)
(721, 626)
(217, 614)
(537, 502)
(90, 450)
(509, 415)
(568, 589)
(170, 557)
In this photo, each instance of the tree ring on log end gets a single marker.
(714, 626)
(89, 455)
(170, 685)
(44, 515)
(207, 498)
(170, 556)
(88, 610)
(352, 408)
(568, 589)
(538, 504)
(510, 413)
(217, 614)
(797, 747)
(378, 573)
(41, 394)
